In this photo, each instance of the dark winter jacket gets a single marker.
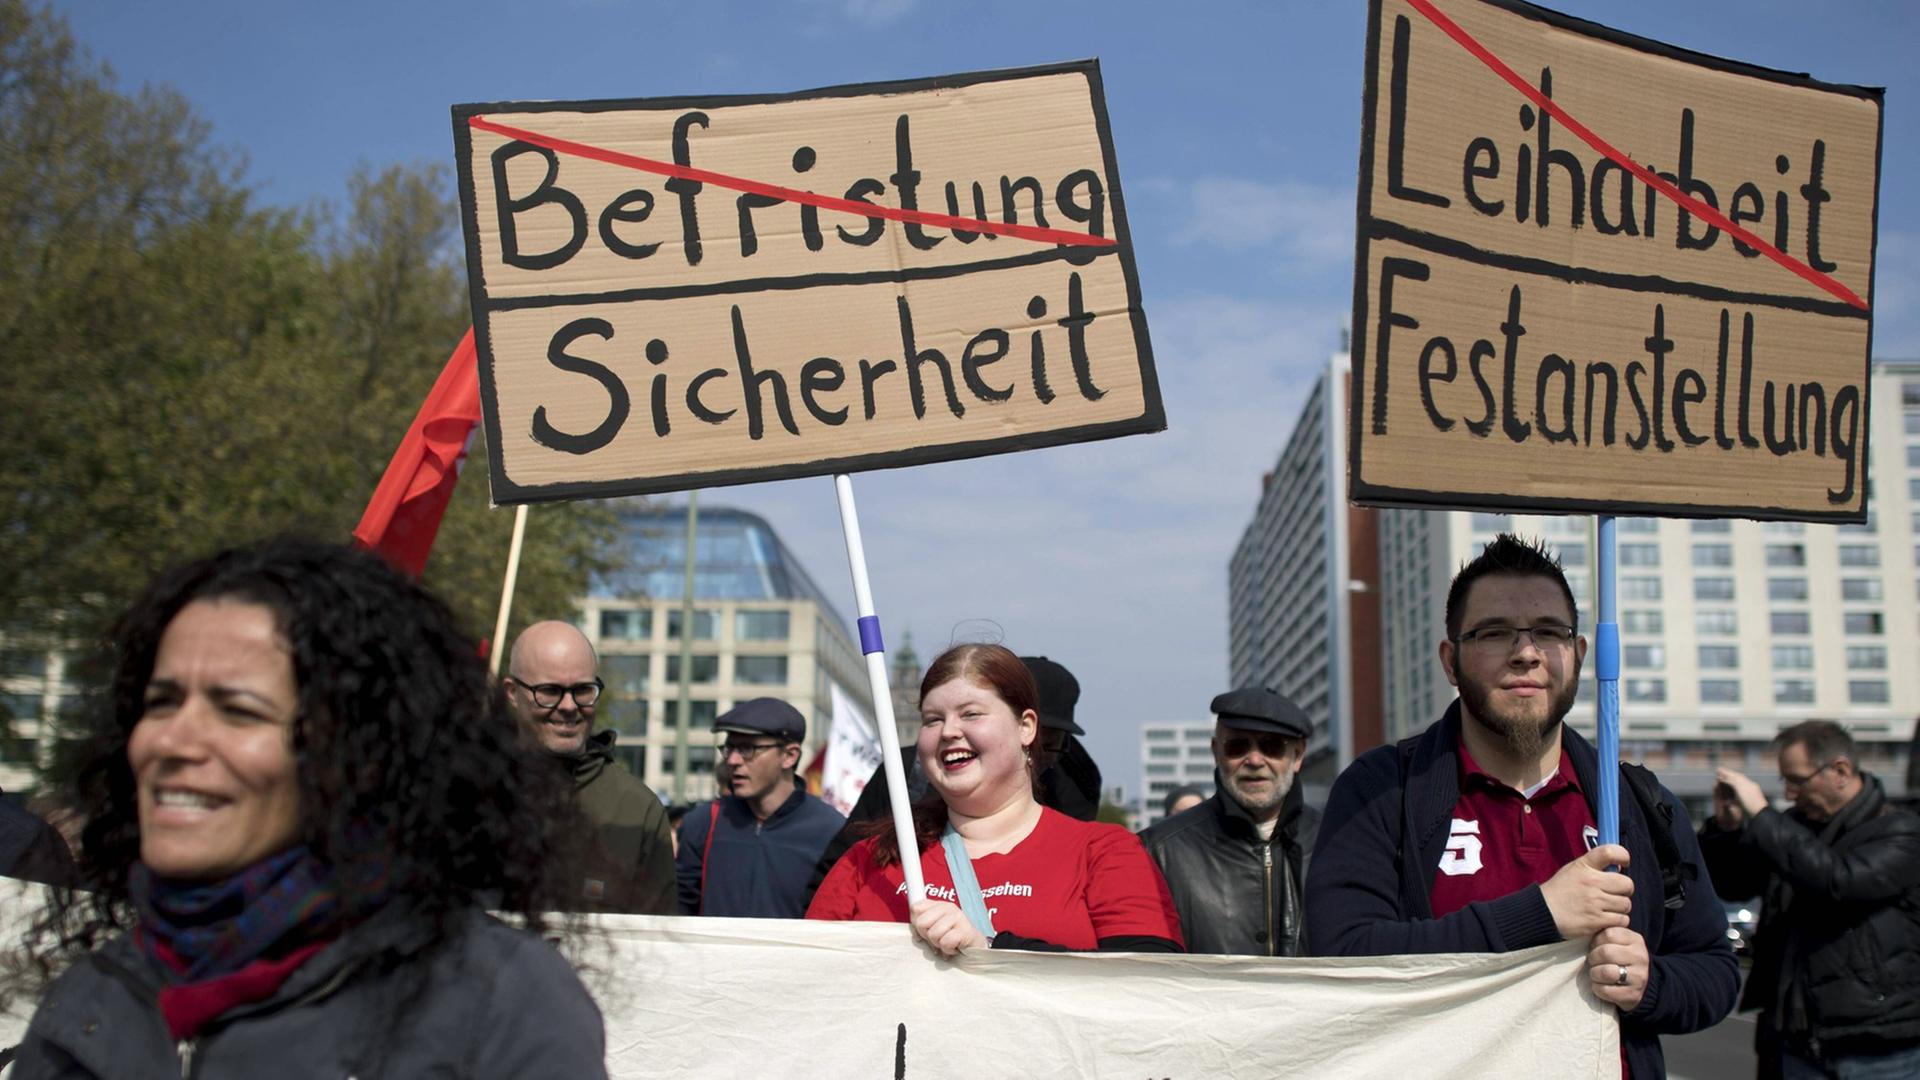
(378, 1002)
(629, 858)
(1369, 891)
(1837, 955)
(754, 869)
(30, 849)
(1235, 892)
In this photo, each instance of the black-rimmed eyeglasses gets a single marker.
(1502, 638)
(548, 695)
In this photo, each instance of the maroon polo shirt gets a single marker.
(1501, 841)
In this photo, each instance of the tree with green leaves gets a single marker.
(187, 368)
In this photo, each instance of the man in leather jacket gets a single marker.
(1836, 970)
(1236, 863)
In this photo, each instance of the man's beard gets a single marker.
(1277, 794)
(1525, 736)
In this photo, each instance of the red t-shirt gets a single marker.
(1501, 841)
(1069, 882)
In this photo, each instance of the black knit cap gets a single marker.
(1059, 693)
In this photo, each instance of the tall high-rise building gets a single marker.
(761, 628)
(1172, 756)
(1730, 630)
(1302, 606)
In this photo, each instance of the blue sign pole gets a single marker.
(1606, 664)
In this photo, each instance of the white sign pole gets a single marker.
(499, 645)
(876, 654)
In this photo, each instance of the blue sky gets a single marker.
(1236, 127)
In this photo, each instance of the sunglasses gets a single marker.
(1272, 744)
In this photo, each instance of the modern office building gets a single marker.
(1172, 755)
(1730, 630)
(761, 628)
(1301, 589)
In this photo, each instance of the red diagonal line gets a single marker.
(795, 195)
(1693, 206)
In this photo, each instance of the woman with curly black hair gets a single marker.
(306, 796)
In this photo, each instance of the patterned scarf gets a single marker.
(200, 930)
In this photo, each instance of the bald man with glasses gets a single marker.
(750, 852)
(553, 685)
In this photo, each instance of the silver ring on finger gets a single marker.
(1623, 975)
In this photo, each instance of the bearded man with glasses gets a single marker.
(553, 685)
(1478, 834)
(750, 853)
(1236, 863)
(1836, 958)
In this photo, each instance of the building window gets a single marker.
(1712, 525)
(19, 706)
(1793, 691)
(1856, 588)
(633, 757)
(1163, 752)
(1787, 588)
(1864, 622)
(1642, 622)
(702, 712)
(1493, 523)
(1159, 734)
(1639, 554)
(1716, 622)
(705, 624)
(760, 625)
(706, 668)
(1720, 657)
(1652, 691)
(1793, 657)
(1786, 555)
(628, 716)
(1571, 554)
(1719, 691)
(700, 756)
(1713, 588)
(1785, 528)
(760, 670)
(1789, 623)
(1713, 554)
(1161, 770)
(1645, 657)
(1867, 691)
(1913, 423)
(1638, 525)
(23, 663)
(626, 675)
(1639, 588)
(626, 624)
(1859, 555)
(1866, 658)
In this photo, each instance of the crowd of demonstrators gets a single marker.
(553, 684)
(1002, 869)
(749, 852)
(31, 849)
(1237, 862)
(1069, 783)
(1836, 969)
(305, 798)
(1478, 835)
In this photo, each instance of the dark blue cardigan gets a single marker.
(1369, 890)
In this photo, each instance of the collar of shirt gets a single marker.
(1472, 774)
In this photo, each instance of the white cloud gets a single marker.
(1294, 221)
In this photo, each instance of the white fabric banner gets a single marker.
(853, 751)
(693, 997)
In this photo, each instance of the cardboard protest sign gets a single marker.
(1598, 273)
(688, 292)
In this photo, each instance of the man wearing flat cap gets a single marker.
(750, 852)
(1237, 862)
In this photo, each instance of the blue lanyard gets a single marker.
(966, 886)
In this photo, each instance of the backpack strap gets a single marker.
(706, 849)
(1675, 872)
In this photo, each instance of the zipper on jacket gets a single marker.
(1266, 856)
(186, 1058)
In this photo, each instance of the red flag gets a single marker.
(404, 514)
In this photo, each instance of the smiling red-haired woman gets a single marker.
(1002, 870)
